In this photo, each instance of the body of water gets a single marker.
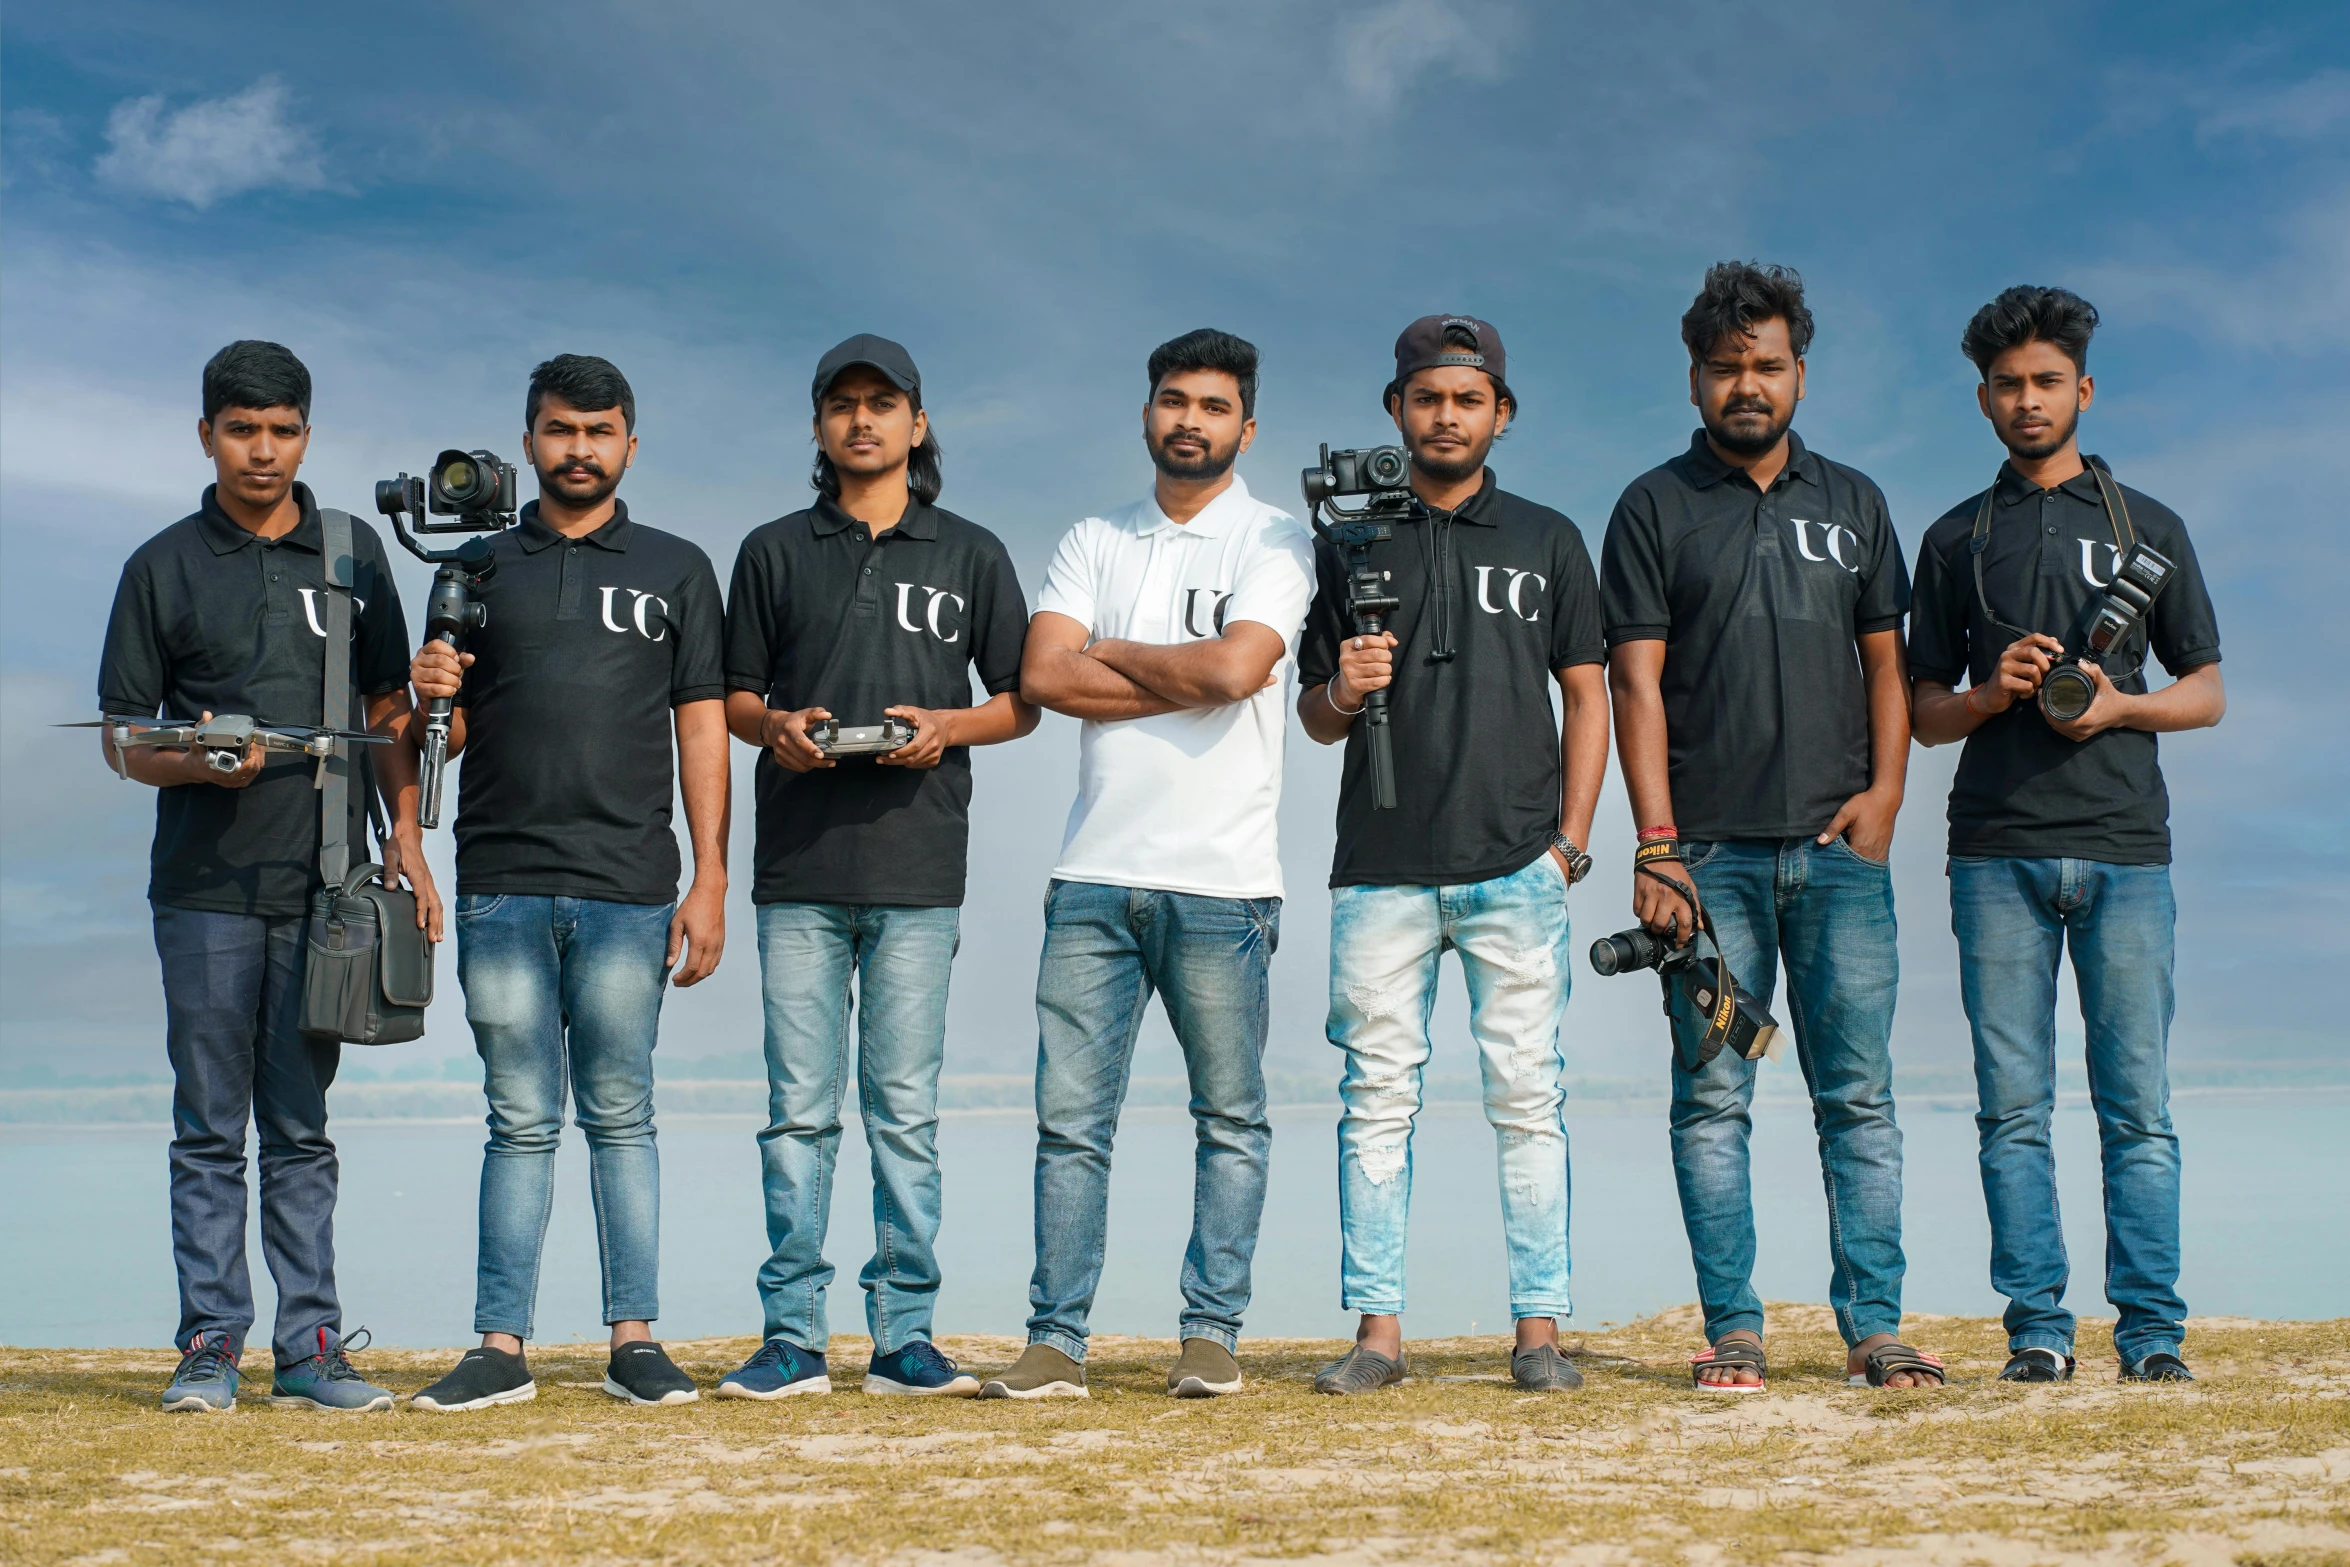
(89, 1236)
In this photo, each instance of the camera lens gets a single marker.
(458, 478)
(1615, 954)
(2067, 692)
(1385, 468)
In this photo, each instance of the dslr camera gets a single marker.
(1734, 1019)
(1368, 470)
(1381, 473)
(2106, 623)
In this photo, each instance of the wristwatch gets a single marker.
(1578, 863)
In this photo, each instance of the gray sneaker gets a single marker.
(1543, 1369)
(327, 1381)
(1359, 1370)
(1041, 1372)
(1204, 1370)
(206, 1381)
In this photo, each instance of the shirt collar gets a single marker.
(613, 535)
(1478, 508)
(226, 538)
(918, 521)
(2014, 488)
(1706, 469)
(1231, 502)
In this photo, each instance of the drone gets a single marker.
(223, 740)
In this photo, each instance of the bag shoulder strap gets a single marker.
(334, 769)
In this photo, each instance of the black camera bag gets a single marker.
(367, 968)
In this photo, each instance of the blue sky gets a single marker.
(424, 200)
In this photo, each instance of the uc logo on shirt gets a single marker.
(939, 598)
(1841, 543)
(635, 613)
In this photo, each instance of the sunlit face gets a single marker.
(1193, 424)
(1746, 388)
(866, 425)
(255, 452)
(1449, 418)
(578, 454)
(2034, 396)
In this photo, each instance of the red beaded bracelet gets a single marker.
(1652, 834)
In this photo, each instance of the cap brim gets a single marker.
(824, 382)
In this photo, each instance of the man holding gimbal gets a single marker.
(603, 637)
(2059, 822)
(223, 612)
(1754, 597)
(872, 606)
(1497, 599)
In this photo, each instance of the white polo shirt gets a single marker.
(1183, 801)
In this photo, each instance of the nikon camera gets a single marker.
(1734, 1016)
(2105, 624)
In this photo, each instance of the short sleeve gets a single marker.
(133, 670)
(999, 621)
(1326, 621)
(1276, 580)
(1633, 606)
(1069, 585)
(1940, 649)
(1884, 582)
(697, 667)
(1577, 635)
(380, 633)
(752, 610)
(2182, 628)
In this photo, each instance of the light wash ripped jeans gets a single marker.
(1510, 934)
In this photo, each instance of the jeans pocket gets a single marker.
(1266, 912)
(1839, 842)
(473, 904)
(1693, 855)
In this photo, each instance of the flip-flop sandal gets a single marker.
(1738, 1355)
(2037, 1365)
(1889, 1360)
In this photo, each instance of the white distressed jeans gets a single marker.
(1510, 934)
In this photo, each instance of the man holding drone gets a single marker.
(226, 612)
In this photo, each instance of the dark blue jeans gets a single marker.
(1829, 913)
(1105, 950)
(232, 994)
(2014, 918)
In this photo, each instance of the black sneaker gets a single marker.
(2162, 1366)
(644, 1374)
(484, 1377)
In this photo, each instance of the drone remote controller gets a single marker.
(827, 735)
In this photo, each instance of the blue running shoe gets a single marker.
(207, 1378)
(919, 1369)
(326, 1380)
(779, 1370)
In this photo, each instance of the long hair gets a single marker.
(924, 475)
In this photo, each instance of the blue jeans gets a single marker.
(1105, 950)
(2013, 918)
(1511, 936)
(232, 995)
(565, 993)
(900, 958)
(1829, 913)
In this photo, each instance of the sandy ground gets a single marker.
(2248, 1468)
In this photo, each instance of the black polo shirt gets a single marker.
(2023, 790)
(209, 617)
(569, 739)
(1507, 587)
(824, 613)
(1758, 597)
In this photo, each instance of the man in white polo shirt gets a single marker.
(1170, 628)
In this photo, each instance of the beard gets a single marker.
(579, 484)
(1450, 470)
(1747, 441)
(1209, 464)
(2047, 445)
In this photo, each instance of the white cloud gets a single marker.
(1383, 52)
(213, 148)
(2306, 108)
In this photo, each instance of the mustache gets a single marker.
(1748, 405)
(587, 467)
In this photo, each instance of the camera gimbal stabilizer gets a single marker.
(477, 489)
(1379, 473)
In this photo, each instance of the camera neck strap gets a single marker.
(2117, 517)
(334, 769)
(1717, 1025)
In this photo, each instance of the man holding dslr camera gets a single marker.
(2059, 822)
(1497, 600)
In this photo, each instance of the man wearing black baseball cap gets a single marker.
(873, 604)
(1494, 802)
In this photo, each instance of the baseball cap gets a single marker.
(1422, 347)
(891, 359)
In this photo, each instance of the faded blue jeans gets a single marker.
(1106, 949)
(564, 995)
(2013, 919)
(232, 1003)
(900, 958)
(1510, 934)
(1829, 913)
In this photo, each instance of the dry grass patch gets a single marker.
(2249, 1468)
